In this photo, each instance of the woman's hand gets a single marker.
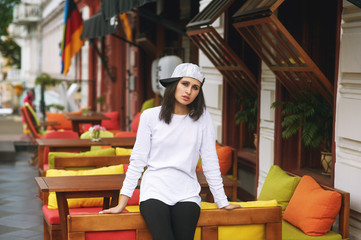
(116, 209)
(120, 207)
(231, 206)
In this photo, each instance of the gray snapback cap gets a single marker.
(184, 70)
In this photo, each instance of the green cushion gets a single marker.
(278, 185)
(103, 134)
(101, 152)
(148, 104)
(290, 232)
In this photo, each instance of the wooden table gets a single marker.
(230, 187)
(78, 145)
(81, 187)
(78, 118)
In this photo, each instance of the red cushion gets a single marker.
(111, 235)
(125, 134)
(52, 215)
(134, 200)
(125, 166)
(57, 134)
(113, 123)
(86, 127)
(135, 122)
(46, 166)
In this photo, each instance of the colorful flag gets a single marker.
(73, 27)
(126, 26)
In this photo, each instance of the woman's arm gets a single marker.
(123, 201)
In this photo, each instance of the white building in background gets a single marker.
(37, 28)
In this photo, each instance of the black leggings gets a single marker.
(166, 222)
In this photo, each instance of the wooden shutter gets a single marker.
(272, 42)
(206, 38)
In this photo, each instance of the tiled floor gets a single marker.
(20, 208)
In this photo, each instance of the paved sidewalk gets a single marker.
(20, 208)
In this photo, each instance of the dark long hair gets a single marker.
(196, 108)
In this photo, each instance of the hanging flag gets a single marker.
(73, 27)
(126, 26)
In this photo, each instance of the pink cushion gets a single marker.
(113, 123)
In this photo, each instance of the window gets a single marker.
(291, 38)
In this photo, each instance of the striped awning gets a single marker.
(111, 8)
(97, 26)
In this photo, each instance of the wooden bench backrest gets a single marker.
(89, 161)
(344, 214)
(209, 221)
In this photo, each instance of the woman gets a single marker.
(170, 140)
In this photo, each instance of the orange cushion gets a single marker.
(113, 122)
(224, 154)
(60, 118)
(125, 134)
(312, 208)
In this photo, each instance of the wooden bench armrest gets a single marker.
(209, 221)
(89, 161)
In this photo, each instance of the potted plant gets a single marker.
(248, 113)
(312, 115)
(44, 80)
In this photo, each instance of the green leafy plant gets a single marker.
(248, 112)
(312, 115)
(56, 106)
(44, 80)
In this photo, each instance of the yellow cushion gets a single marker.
(123, 151)
(101, 152)
(239, 232)
(132, 208)
(249, 204)
(81, 202)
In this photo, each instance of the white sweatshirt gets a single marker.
(171, 152)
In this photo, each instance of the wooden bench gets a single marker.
(53, 231)
(209, 221)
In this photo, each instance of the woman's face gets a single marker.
(187, 90)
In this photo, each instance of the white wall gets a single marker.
(213, 85)
(348, 114)
(52, 30)
(266, 138)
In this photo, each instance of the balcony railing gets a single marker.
(25, 13)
